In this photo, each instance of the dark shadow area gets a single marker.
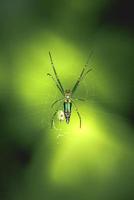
(20, 140)
(14, 159)
(120, 14)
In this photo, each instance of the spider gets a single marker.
(67, 99)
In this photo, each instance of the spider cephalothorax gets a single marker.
(67, 99)
(67, 95)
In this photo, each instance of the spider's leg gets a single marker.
(77, 112)
(82, 75)
(79, 99)
(60, 85)
(52, 121)
(56, 102)
(56, 83)
(78, 81)
(86, 73)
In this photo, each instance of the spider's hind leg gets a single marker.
(52, 121)
(76, 109)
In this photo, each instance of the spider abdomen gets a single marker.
(67, 110)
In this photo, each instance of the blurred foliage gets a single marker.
(95, 162)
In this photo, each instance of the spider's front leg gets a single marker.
(79, 99)
(57, 78)
(57, 85)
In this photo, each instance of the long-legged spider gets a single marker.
(67, 99)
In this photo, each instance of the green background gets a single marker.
(66, 162)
